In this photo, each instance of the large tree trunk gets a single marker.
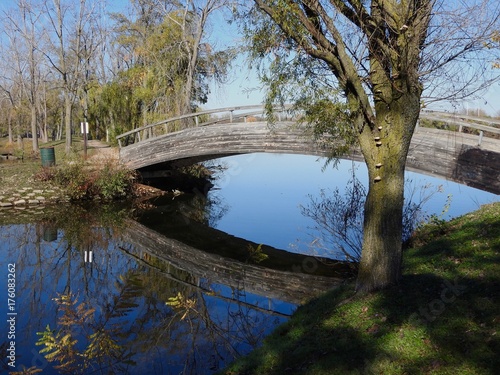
(385, 148)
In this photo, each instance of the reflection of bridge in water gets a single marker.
(471, 159)
(288, 281)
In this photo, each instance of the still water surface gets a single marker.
(114, 307)
(262, 195)
(169, 292)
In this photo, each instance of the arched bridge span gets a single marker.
(472, 159)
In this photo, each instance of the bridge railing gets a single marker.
(464, 121)
(243, 113)
(198, 119)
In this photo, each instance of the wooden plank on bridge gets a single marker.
(432, 151)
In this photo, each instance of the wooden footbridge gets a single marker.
(468, 154)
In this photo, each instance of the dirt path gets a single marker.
(100, 151)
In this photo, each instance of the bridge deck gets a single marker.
(447, 154)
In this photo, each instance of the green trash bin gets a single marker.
(48, 156)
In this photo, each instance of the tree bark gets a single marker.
(34, 130)
(385, 149)
(20, 143)
(9, 125)
(193, 61)
(44, 126)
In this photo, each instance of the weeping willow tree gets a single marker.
(165, 64)
(359, 69)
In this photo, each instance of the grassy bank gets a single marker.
(72, 178)
(20, 172)
(442, 319)
(17, 174)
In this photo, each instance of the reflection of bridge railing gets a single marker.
(231, 115)
(286, 285)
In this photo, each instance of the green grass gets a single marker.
(15, 174)
(79, 179)
(443, 318)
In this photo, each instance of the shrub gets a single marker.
(114, 182)
(106, 182)
(77, 183)
(46, 174)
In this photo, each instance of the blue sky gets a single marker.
(242, 86)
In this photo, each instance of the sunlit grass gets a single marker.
(103, 179)
(441, 319)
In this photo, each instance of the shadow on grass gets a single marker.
(442, 318)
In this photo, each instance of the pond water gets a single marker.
(179, 289)
(262, 196)
(107, 304)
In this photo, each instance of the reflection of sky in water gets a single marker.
(225, 323)
(264, 193)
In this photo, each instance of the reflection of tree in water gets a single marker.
(182, 328)
(339, 220)
(77, 321)
(201, 330)
(338, 217)
(48, 251)
(207, 209)
(113, 315)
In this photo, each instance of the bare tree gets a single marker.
(195, 20)
(7, 106)
(23, 32)
(68, 21)
(456, 60)
(12, 80)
